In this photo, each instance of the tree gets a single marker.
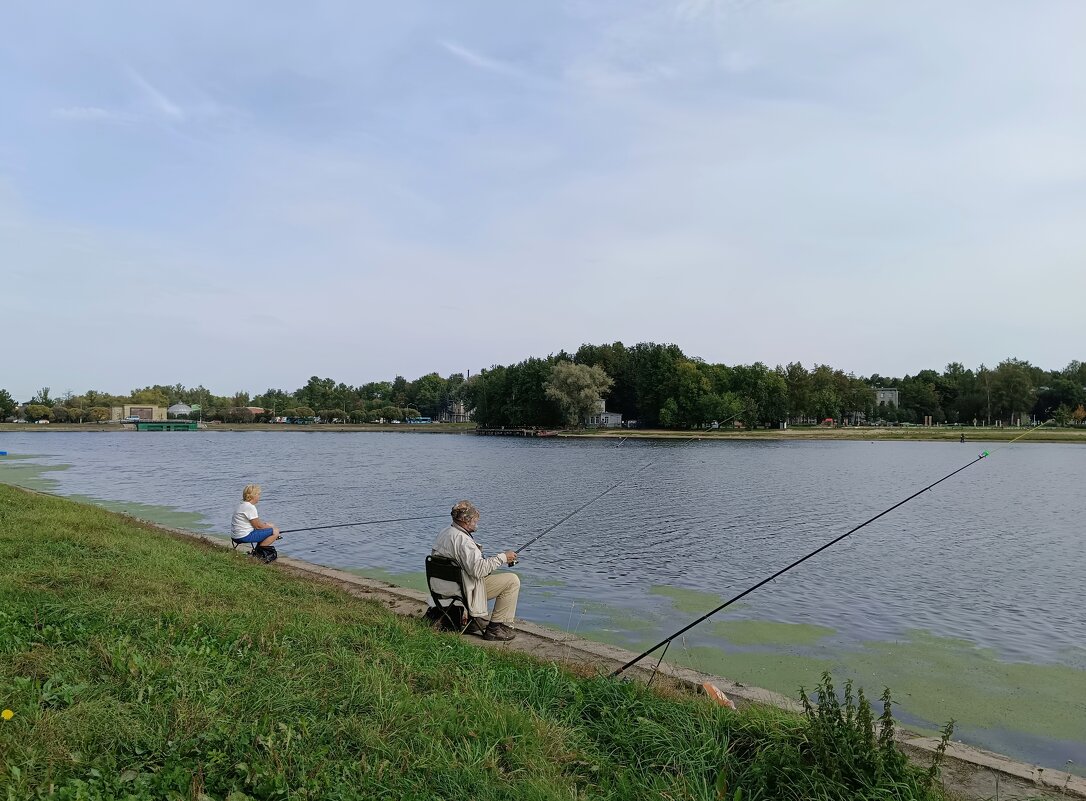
(426, 392)
(798, 382)
(38, 411)
(1062, 415)
(151, 396)
(7, 405)
(60, 414)
(1012, 388)
(304, 411)
(1079, 414)
(41, 398)
(98, 413)
(576, 388)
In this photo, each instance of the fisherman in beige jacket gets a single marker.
(481, 582)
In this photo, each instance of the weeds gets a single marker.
(849, 746)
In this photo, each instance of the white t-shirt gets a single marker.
(241, 525)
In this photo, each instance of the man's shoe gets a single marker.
(499, 632)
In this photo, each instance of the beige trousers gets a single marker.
(504, 589)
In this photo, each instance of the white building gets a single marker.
(179, 409)
(603, 418)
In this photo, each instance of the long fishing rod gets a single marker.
(782, 571)
(584, 506)
(360, 523)
(613, 486)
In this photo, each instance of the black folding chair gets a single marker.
(445, 569)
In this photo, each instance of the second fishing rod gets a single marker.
(666, 642)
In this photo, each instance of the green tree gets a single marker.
(1012, 389)
(151, 396)
(798, 382)
(318, 393)
(654, 373)
(7, 405)
(577, 389)
(98, 414)
(41, 398)
(38, 411)
(60, 414)
(427, 393)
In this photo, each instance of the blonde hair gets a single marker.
(250, 492)
(463, 511)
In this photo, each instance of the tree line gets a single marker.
(650, 385)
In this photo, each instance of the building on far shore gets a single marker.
(885, 396)
(456, 413)
(143, 411)
(179, 409)
(603, 418)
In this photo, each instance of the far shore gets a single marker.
(893, 433)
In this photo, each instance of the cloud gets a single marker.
(482, 62)
(159, 100)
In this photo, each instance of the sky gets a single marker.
(243, 195)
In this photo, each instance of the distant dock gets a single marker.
(515, 432)
(161, 425)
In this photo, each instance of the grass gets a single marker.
(143, 666)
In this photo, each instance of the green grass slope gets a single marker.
(138, 665)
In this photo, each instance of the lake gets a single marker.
(967, 601)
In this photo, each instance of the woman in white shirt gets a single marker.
(247, 526)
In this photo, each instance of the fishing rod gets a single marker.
(667, 641)
(613, 486)
(360, 523)
(584, 506)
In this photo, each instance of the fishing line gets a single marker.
(782, 571)
(360, 523)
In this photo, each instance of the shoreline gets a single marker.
(814, 433)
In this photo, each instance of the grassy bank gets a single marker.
(138, 665)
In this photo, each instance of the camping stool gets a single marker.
(446, 570)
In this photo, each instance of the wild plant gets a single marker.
(846, 743)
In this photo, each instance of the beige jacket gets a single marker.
(457, 544)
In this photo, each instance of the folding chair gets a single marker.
(446, 583)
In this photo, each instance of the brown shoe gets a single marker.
(499, 632)
(476, 626)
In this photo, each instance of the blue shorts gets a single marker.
(256, 535)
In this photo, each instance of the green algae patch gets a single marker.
(768, 632)
(692, 601)
(543, 582)
(413, 580)
(936, 678)
(34, 477)
(606, 617)
(782, 673)
(28, 476)
(169, 516)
